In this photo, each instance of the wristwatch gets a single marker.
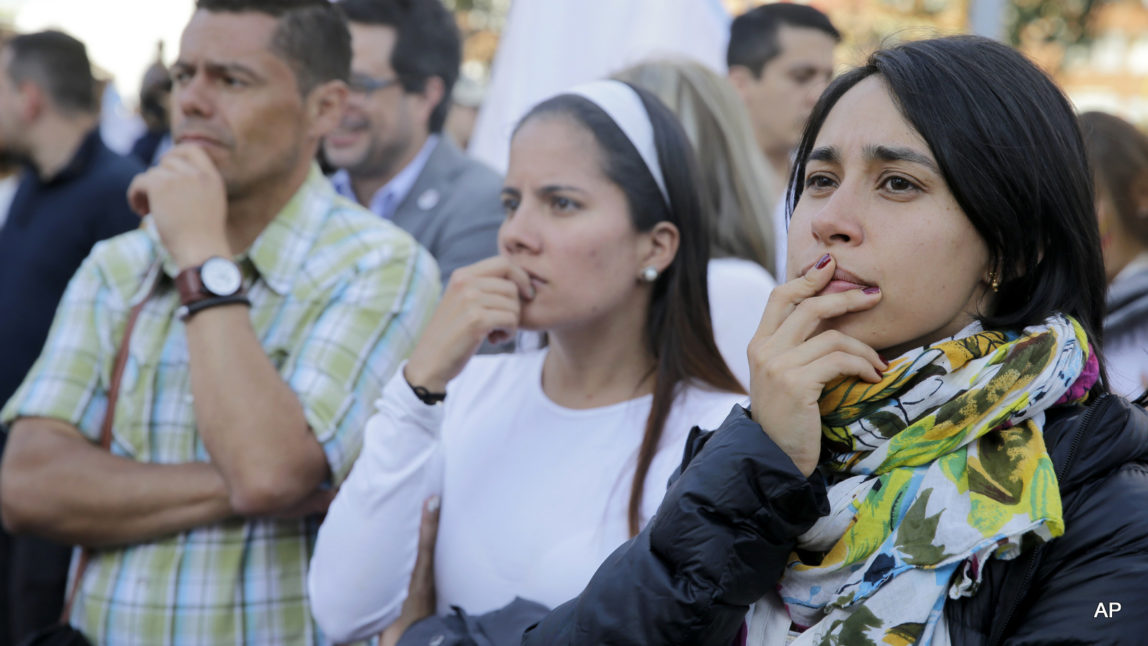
(426, 396)
(217, 281)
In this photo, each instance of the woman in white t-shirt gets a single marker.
(547, 460)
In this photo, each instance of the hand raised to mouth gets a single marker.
(481, 302)
(790, 361)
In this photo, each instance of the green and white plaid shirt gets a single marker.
(338, 298)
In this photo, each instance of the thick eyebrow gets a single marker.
(889, 153)
(826, 154)
(216, 69)
(549, 189)
(807, 67)
(558, 188)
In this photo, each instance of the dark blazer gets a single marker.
(454, 208)
(728, 524)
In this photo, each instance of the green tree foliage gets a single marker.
(1063, 22)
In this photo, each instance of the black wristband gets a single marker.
(187, 311)
(426, 396)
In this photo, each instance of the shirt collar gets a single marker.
(388, 198)
(79, 162)
(278, 251)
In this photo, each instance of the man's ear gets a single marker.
(434, 90)
(33, 102)
(324, 106)
(662, 246)
(740, 77)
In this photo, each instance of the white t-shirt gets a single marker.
(738, 290)
(534, 495)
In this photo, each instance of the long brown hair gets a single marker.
(678, 330)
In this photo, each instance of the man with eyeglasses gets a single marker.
(394, 159)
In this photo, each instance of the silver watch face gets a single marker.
(220, 276)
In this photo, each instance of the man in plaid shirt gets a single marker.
(274, 311)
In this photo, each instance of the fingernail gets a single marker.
(824, 261)
(432, 504)
(871, 290)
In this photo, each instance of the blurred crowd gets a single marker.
(297, 369)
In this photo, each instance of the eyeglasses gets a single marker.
(366, 86)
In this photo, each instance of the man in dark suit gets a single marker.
(389, 146)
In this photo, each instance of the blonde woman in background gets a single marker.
(737, 192)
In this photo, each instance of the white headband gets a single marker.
(625, 107)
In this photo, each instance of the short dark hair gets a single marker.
(427, 43)
(678, 328)
(1118, 153)
(311, 36)
(1009, 149)
(58, 63)
(753, 38)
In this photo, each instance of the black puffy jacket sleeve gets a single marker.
(718, 543)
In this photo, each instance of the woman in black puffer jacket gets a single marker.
(931, 455)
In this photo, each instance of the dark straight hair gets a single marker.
(427, 43)
(678, 329)
(59, 64)
(1007, 143)
(753, 39)
(311, 36)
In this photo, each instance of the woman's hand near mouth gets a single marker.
(790, 361)
(482, 301)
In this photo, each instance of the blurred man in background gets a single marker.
(395, 161)
(155, 110)
(780, 60)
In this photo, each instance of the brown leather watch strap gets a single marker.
(190, 286)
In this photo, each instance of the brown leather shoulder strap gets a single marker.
(105, 441)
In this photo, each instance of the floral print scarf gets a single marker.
(937, 468)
